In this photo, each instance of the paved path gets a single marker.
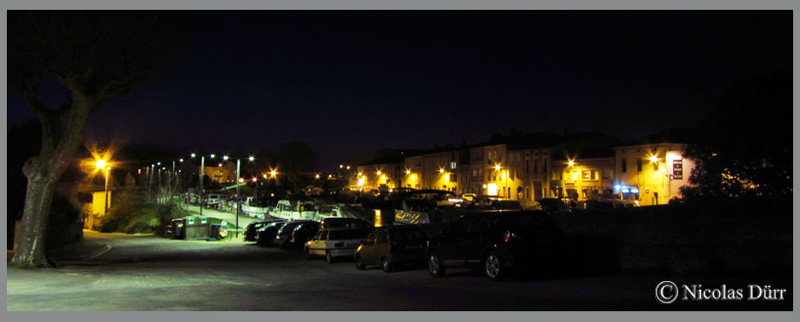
(226, 216)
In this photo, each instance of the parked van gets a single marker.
(212, 200)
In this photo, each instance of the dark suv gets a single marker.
(392, 246)
(495, 242)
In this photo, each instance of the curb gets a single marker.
(95, 253)
(103, 248)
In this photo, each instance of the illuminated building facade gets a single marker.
(520, 166)
(221, 172)
(412, 176)
(496, 172)
(529, 170)
(583, 178)
(652, 169)
(381, 174)
(440, 170)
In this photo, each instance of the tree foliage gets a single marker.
(91, 56)
(745, 144)
(295, 158)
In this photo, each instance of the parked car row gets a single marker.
(495, 242)
(288, 233)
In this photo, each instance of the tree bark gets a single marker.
(43, 173)
(32, 243)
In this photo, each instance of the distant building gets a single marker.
(651, 169)
(412, 176)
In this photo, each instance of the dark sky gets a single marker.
(352, 82)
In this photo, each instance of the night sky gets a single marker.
(352, 82)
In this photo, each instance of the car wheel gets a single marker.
(308, 253)
(493, 266)
(387, 266)
(329, 257)
(360, 263)
(435, 266)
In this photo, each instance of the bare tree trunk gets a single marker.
(43, 173)
(32, 242)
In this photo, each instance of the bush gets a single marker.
(131, 214)
(164, 214)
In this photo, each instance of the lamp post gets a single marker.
(150, 182)
(101, 164)
(202, 174)
(580, 176)
(238, 199)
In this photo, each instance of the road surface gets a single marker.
(146, 273)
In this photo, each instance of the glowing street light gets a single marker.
(101, 164)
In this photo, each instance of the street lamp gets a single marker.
(238, 199)
(579, 178)
(202, 174)
(101, 164)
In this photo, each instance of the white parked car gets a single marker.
(214, 199)
(336, 242)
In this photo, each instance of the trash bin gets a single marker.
(177, 228)
(195, 227)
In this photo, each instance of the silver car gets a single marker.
(333, 243)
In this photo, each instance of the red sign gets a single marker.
(646, 190)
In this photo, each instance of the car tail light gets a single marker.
(508, 236)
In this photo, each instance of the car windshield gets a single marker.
(347, 234)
